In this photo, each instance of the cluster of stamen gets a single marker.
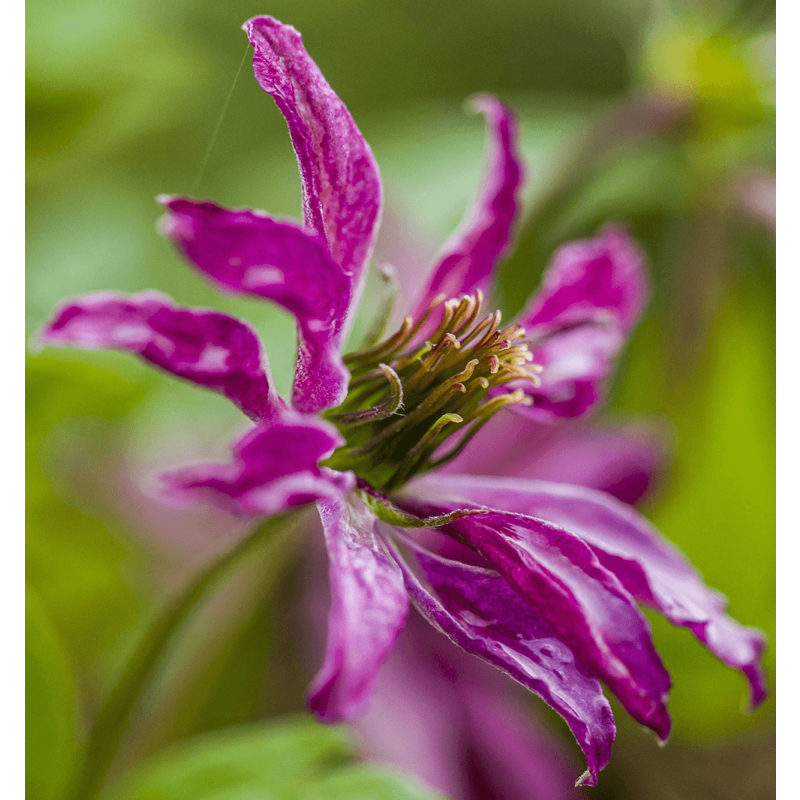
(407, 397)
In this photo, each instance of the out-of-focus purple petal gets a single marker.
(576, 363)
(623, 459)
(275, 468)
(466, 261)
(205, 347)
(591, 296)
(250, 253)
(340, 179)
(515, 759)
(458, 724)
(480, 612)
(368, 608)
(600, 279)
(650, 568)
(414, 722)
(560, 577)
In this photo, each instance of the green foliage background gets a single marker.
(657, 115)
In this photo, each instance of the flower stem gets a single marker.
(109, 727)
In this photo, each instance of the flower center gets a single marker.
(407, 395)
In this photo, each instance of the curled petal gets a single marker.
(342, 193)
(467, 260)
(275, 468)
(250, 253)
(579, 599)
(591, 280)
(480, 612)
(368, 608)
(591, 296)
(648, 566)
(575, 365)
(205, 347)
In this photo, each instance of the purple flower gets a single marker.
(542, 578)
(447, 717)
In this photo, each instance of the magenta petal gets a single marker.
(368, 608)
(576, 363)
(600, 279)
(562, 580)
(249, 253)
(480, 612)
(340, 179)
(590, 297)
(649, 567)
(414, 722)
(275, 468)
(465, 263)
(205, 347)
(519, 760)
(622, 459)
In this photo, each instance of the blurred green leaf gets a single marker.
(295, 759)
(49, 705)
(361, 783)
(76, 563)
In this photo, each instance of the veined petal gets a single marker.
(623, 459)
(368, 608)
(342, 193)
(202, 346)
(600, 279)
(482, 614)
(590, 298)
(275, 468)
(467, 260)
(580, 600)
(648, 566)
(250, 253)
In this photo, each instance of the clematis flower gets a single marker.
(448, 718)
(542, 579)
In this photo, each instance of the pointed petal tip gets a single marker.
(322, 701)
(659, 726)
(460, 600)
(586, 779)
(275, 467)
(758, 685)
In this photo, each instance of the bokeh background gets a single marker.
(659, 115)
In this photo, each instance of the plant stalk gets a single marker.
(109, 727)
